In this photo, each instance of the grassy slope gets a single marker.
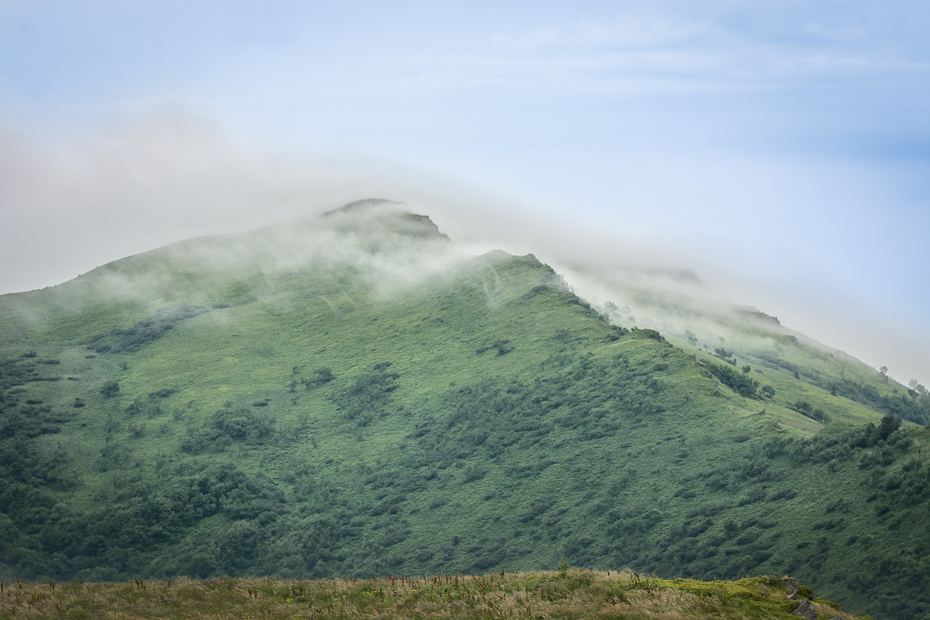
(519, 429)
(568, 593)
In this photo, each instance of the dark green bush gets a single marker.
(110, 389)
(736, 381)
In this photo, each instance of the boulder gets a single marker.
(805, 610)
(794, 587)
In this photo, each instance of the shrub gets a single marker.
(369, 395)
(110, 389)
(502, 347)
(814, 413)
(241, 424)
(888, 425)
(144, 332)
(738, 382)
(725, 355)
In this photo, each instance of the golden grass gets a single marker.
(545, 595)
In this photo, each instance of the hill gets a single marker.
(351, 395)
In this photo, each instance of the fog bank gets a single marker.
(148, 181)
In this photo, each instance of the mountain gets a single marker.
(351, 394)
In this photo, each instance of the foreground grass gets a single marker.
(573, 593)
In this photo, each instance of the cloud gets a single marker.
(146, 181)
(643, 29)
(137, 184)
(699, 45)
(773, 147)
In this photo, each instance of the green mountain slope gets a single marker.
(796, 366)
(351, 396)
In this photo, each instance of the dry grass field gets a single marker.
(573, 593)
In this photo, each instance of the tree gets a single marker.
(323, 375)
(914, 385)
(768, 390)
(110, 389)
(818, 414)
(725, 355)
(883, 373)
(888, 425)
(746, 369)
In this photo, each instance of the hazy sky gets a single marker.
(781, 149)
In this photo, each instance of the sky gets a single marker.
(781, 149)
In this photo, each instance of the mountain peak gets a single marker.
(378, 215)
(367, 206)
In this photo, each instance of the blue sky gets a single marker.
(782, 149)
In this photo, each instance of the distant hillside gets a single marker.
(677, 305)
(352, 395)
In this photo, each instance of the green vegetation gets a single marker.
(544, 594)
(738, 382)
(326, 419)
(144, 332)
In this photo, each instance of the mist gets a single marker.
(141, 182)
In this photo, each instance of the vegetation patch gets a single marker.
(144, 332)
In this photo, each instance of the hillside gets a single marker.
(351, 395)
